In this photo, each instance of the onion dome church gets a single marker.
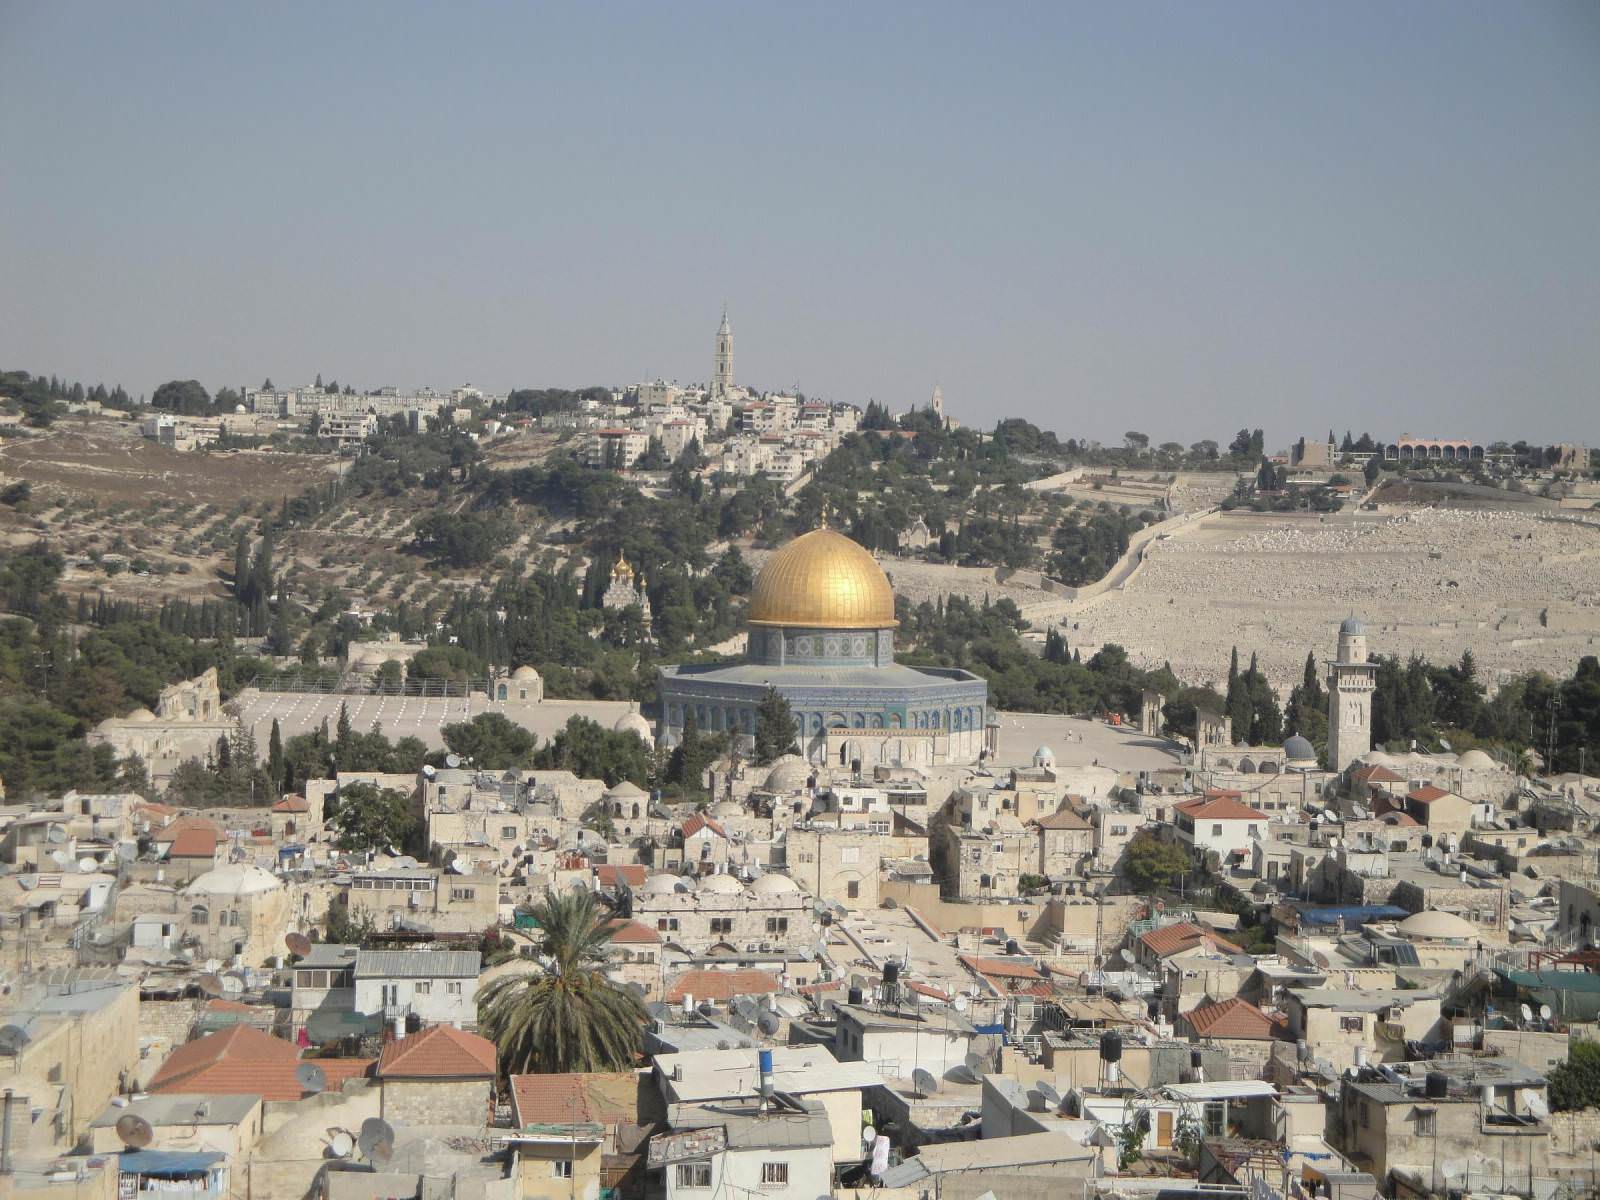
(821, 632)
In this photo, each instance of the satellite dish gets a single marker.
(233, 983)
(61, 858)
(451, 761)
(55, 834)
(961, 1073)
(868, 1136)
(86, 865)
(299, 944)
(658, 1010)
(974, 1063)
(768, 1023)
(1127, 955)
(924, 1083)
(135, 1132)
(311, 1077)
(210, 984)
(1527, 1013)
(13, 1038)
(213, 965)
(959, 1004)
(1544, 1012)
(1321, 959)
(341, 1144)
(377, 1140)
(1052, 1098)
(742, 1007)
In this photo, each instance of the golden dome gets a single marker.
(822, 580)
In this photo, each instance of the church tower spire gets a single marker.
(722, 377)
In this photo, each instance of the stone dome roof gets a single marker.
(727, 808)
(1044, 756)
(1436, 924)
(239, 879)
(720, 885)
(774, 885)
(822, 580)
(525, 673)
(1476, 760)
(633, 721)
(142, 715)
(789, 774)
(626, 790)
(1299, 749)
(1352, 625)
(663, 883)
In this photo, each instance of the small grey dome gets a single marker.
(1352, 625)
(1299, 749)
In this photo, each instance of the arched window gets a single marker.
(199, 915)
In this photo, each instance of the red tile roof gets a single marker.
(923, 989)
(1427, 794)
(700, 821)
(194, 843)
(1183, 935)
(610, 875)
(1220, 808)
(1000, 967)
(291, 804)
(1399, 818)
(711, 984)
(1231, 1018)
(174, 828)
(243, 1061)
(438, 1052)
(633, 933)
(603, 1097)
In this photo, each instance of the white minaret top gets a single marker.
(937, 403)
(722, 376)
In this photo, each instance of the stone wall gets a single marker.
(1574, 1133)
(436, 1102)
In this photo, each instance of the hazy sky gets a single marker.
(1178, 218)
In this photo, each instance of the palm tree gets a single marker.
(568, 1017)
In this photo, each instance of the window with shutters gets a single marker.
(775, 1174)
(694, 1175)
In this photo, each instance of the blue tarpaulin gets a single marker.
(1000, 1029)
(166, 1163)
(1355, 915)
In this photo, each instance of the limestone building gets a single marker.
(821, 632)
(1351, 679)
(626, 590)
(722, 374)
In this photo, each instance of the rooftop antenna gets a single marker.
(341, 1144)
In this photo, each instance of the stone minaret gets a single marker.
(722, 379)
(1351, 679)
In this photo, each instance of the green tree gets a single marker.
(1152, 863)
(1576, 1083)
(569, 1016)
(591, 751)
(184, 396)
(775, 735)
(275, 762)
(367, 817)
(492, 741)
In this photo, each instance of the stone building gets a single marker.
(840, 865)
(1351, 680)
(718, 915)
(188, 722)
(822, 623)
(626, 590)
(236, 912)
(441, 1076)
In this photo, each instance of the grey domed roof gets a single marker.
(1299, 749)
(789, 774)
(1352, 625)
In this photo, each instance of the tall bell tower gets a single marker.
(722, 378)
(1351, 680)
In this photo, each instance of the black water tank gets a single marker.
(855, 995)
(1012, 947)
(891, 971)
(1110, 1047)
(1437, 1085)
(1196, 1059)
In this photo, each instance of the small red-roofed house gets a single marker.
(1179, 938)
(613, 877)
(1007, 977)
(441, 1076)
(1236, 1026)
(1440, 811)
(705, 845)
(191, 845)
(598, 1122)
(291, 820)
(1220, 823)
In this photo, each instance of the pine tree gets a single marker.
(775, 733)
(275, 765)
(1241, 712)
